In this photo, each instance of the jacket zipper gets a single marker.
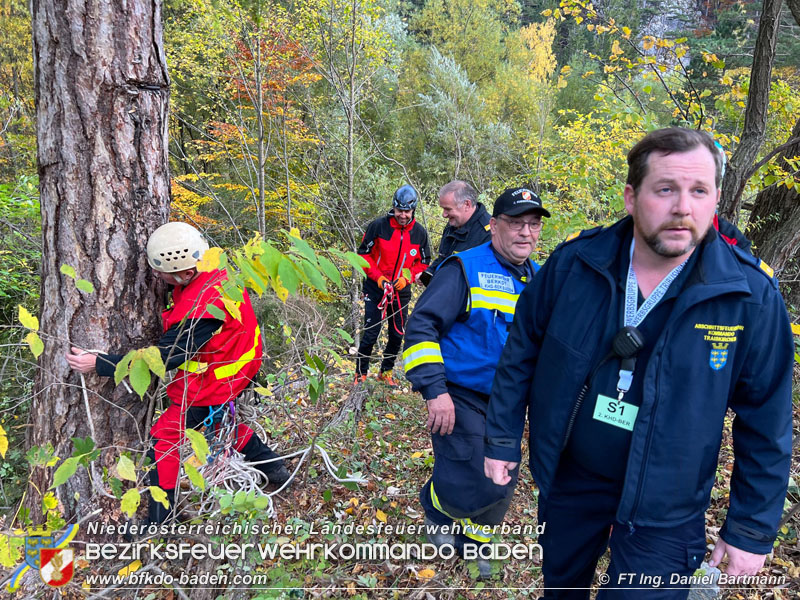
(646, 453)
(399, 254)
(585, 389)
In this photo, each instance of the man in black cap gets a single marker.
(453, 343)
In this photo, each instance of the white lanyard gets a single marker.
(634, 317)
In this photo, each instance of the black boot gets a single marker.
(256, 451)
(156, 513)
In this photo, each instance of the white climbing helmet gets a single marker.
(175, 247)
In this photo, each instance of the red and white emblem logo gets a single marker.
(526, 195)
(57, 566)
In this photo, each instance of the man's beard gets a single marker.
(662, 249)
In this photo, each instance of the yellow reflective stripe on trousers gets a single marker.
(233, 368)
(479, 533)
(491, 300)
(422, 353)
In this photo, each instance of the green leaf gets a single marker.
(345, 336)
(68, 271)
(327, 495)
(35, 343)
(256, 281)
(357, 261)
(271, 259)
(216, 312)
(199, 445)
(232, 291)
(82, 446)
(126, 469)
(314, 276)
(116, 486)
(123, 367)
(261, 503)
(303, 249)
(288, 275)
(85, 286)
(152, 356)
(64, 471)
(194, 476)
(330, 270)
(159, 495)
(27, 319)
(225, 501)
(130, 501)
(140, 376)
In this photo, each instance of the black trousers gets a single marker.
(458, 489)
(646, 562)
(396, 319)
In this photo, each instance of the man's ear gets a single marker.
(630, 198)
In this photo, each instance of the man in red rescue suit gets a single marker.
(396, 248)
(216, 360)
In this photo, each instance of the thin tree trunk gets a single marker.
(102, 93)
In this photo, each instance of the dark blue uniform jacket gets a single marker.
(727, 344)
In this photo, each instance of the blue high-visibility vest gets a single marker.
(471, 348)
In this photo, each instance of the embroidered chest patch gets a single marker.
(496, 282)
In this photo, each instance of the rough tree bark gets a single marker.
(755, 116)
(102, 94)
(775, 220)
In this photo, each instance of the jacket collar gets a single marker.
(716, 271)
(395, 225)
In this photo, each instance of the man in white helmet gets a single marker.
(216, 359)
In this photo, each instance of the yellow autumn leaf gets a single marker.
(294, 232)
(648, 42)
(210, 260)
(390, 416)
(262, 391)
(796, 328)
(3, 442)
(380, 515)
(281, 292)
(233, 308)
(131, 568)
(35, 342)
(426, 573)
(27, 319)
(416, 455)
(193, 461)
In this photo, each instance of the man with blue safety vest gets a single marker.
(453, 342)
(626, 355)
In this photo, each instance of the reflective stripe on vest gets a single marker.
(493, 300)
(228, 370)
(422, 353)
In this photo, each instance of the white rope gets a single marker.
(228, 470)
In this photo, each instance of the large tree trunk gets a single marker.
(102, 94)
(755, 116)
(775, 220)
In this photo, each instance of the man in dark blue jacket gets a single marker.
(627, 353)
(453, 342)
(467, 223)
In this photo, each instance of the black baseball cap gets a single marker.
(518, 201)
